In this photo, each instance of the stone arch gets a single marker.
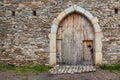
(96, 27)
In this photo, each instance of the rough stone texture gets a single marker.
(72, 69)
(98, 75)
(24, 37)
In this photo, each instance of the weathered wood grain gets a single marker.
(73, 31)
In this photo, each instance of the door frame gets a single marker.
(96, 27)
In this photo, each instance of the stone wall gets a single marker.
(24, 36)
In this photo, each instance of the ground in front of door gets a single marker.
(98, 75)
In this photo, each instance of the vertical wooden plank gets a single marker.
(75, 28)
(62, 43)
(80, 38)
(59, 45)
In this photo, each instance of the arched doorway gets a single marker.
(75, 38)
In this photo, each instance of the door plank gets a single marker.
(73, 30)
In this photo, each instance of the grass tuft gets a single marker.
(112, 67)
(25, 69)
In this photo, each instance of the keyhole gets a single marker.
(89, 46)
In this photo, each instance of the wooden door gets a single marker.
(72, 31)
(88, 52)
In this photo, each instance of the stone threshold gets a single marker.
(72, 69)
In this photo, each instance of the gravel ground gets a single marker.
(98, 75)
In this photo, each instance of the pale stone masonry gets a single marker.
(97, 32)
(25, 38)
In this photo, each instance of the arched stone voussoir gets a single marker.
(88, 15)
(83, 11)
(94, 20)
(61, 16)
(97, 27)
(56, 21)
(70, 9)
(66, 12)
(54, 28)
(80, 10)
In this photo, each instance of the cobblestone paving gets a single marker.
(62, 69)
(96, 75)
